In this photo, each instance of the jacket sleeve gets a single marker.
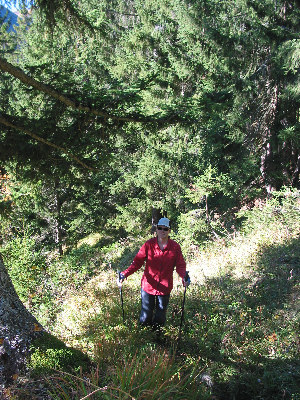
(180, 263)
(137, 262)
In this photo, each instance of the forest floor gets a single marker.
(239, 340)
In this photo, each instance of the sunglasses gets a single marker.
(159, 228)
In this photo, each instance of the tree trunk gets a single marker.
(206, 209)
(266, 163)
(17, 329)
(156, 215)
(296, 174)
(58, 224)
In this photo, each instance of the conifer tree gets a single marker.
(139, 101)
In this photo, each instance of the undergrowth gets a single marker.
(240, 337)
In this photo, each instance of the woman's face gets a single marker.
(162, 232)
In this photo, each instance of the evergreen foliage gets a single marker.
(153, 99)
(110, 110)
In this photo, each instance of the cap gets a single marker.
(164, 222)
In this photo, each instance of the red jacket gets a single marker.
(158, 275)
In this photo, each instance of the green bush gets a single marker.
(25, 265)
(281, 210)
(192, 229)
(75, 267)
(49, 353)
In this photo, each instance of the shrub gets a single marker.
(25, 265)
(48, 353)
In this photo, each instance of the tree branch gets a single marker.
(9, 124)
(5, 66)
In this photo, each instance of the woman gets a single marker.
(162, 255)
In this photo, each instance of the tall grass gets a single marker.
(144, 375)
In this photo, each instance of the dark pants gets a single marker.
(149, 302)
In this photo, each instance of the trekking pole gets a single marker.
(121, 294)
(182, 316)
(186, 278)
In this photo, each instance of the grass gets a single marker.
(144, 375)
(240, 339)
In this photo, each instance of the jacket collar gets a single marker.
(157, 245)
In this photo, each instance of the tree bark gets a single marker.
(296, 174)
(58, 224)
(156, 215)
(17, 329)
(266, 163)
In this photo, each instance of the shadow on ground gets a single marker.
(246, 330)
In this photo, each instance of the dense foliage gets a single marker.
(175, 106)
(113, 111)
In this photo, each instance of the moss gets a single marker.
(48, 353)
